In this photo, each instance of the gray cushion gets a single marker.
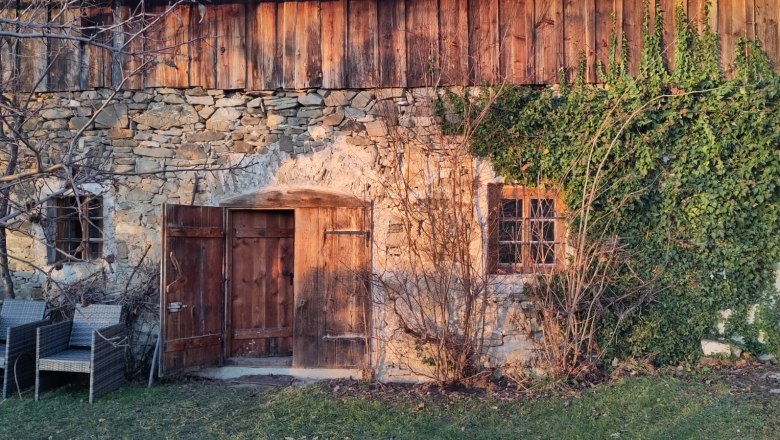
(74, 360)
(2, 355)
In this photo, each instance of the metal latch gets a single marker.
(176, 307)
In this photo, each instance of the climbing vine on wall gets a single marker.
(691, 182)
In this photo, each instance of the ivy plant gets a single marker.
(691, 182)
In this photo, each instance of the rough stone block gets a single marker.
(200, 99)
(113, 116)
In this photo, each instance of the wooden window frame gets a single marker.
(69, 244)
(497, 194)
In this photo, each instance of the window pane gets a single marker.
(543, 253)
(542, 208)
(509, 253)
(543, 231)
(511, 208)
(95, 250)
(510, 231)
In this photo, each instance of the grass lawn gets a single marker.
(644, 407)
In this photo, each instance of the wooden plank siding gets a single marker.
(272, 44)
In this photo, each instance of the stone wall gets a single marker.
(203, 146)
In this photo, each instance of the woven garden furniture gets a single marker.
(92, 343)
(18, 321)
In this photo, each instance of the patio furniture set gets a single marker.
(35, 351)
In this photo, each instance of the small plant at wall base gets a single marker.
(680, 168)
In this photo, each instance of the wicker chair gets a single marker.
(92, 343)
(18, 321)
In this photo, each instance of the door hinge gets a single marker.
(174, 307)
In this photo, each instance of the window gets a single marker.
(526, 230)
(77, 228)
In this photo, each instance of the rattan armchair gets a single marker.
(92, 343)
(18, 321)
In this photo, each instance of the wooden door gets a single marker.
(332, 303)
(192, 298)
(261, 288)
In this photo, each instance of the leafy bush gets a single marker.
(690, 182)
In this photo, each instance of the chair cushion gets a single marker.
(2, 355)
(73, 360)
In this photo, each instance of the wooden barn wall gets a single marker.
(261, 44)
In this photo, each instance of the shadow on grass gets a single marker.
(646, 408)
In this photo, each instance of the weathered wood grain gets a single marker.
(454, 41)
(422, 43)
(231, 45)
(193, 276)
(334, 36)
(732, 25)
(392, 43)
(167, 47)
(287, 13)
(362, 52)
(203, 45)
(130, 40)
(261, 293)
(633, 16)
(579, 38)
(294, 197)
(96, 22)
(264, 44)
(264, 64)
(32, 52)
(548, 43)
(767, 18)
(484, 41)
(64, 55)
(308, 287)
(514, 35)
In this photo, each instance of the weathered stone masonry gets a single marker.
(332, 139)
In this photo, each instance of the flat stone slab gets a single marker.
(235, 372)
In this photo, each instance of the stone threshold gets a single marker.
(235, 372)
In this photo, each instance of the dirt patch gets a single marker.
(744, 377)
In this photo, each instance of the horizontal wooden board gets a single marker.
(196, 342)
(255, 333)
(192, 231)
(336, 44)
(263, 232)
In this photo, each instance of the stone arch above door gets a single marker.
(295, 197)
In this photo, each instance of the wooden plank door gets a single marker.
(332, 303)
(192, 298)
(260, 322)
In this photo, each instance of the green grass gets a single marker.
(646, 408)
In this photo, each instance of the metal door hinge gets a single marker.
(174, 307)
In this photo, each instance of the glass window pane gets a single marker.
(511, 208)
(510, 231)
(95, 250)
(542, 208)
(509, 253)
(543, 231)
(543, 253)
